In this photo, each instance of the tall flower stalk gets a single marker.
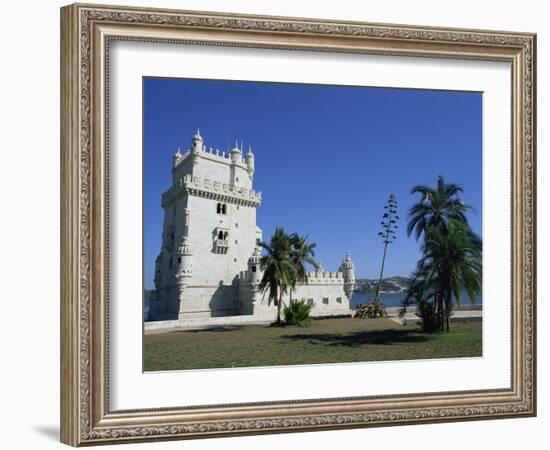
(389, 225)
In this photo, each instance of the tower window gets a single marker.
(236, 241)
(254, 268)
(220, 234)
(236, 225)
(179, 259)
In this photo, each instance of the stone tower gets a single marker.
(210, 212)
(348, 270)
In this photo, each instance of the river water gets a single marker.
(392, 300)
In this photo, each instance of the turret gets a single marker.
(197, 142)
(185, 266)
(236, 154)
(250, 162)
(254, 267)
(176, 158)
(319, 268)
(348, 270)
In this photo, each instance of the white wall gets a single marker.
(29, 238)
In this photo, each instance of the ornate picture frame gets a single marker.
(86, 34)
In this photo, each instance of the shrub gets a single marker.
(297, 313)
(370, 310)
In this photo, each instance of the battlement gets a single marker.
(324, 277)
(205, 187)
(319, 277)
(208, 153)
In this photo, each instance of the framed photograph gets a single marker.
(276, 224)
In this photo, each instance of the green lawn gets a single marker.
(324, 341)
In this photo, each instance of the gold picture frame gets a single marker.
(86, 32)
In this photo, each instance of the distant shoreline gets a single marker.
(389, 285)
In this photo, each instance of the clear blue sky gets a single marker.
(327, 157)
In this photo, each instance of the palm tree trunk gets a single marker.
(279, 302)
(440, 303)
(437, 312)
(440, 312)
(447, 309)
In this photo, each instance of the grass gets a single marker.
(324, 341)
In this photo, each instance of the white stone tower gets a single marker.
(209, 261)
(210, 210)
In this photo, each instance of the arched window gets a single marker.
(224, 209)
(218, 208)
(220, 234)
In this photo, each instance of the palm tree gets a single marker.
(420, 292)
(451, 263)
(279, 272)
(436, 207)
(302, 254)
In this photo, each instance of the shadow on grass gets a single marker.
(214, 328)
(375, 337)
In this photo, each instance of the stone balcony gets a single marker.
(221, 245)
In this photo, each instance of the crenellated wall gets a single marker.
(325, 291)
